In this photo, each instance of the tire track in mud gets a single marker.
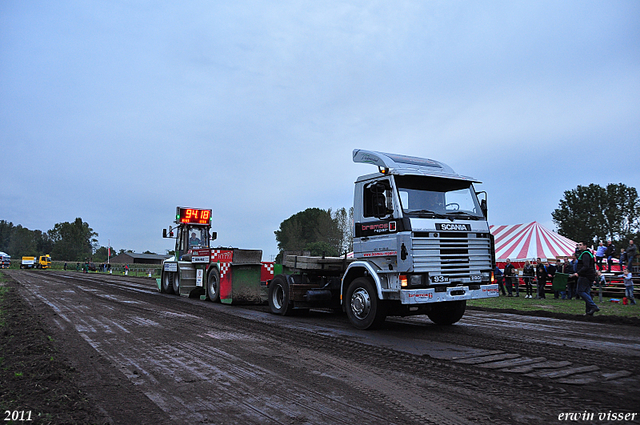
(563, 356)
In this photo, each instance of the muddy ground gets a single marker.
(83, 349)
(36, 378)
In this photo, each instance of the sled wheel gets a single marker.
(364, 309)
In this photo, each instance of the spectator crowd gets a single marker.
(584, 270)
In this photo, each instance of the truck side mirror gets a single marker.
(214, 236)
(389, 195)
(483, 203)
(164, 233)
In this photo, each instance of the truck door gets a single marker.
(376, 227)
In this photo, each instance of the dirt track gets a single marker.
(146, 357)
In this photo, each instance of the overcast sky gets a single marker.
(119, 111)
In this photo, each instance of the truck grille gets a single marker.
(451, 254)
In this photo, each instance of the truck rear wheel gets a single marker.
(213, 286)
(447, 313)
(167, 283)
(279, 301)
(364, 309)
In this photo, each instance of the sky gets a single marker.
(117, 112)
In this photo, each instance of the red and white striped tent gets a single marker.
(520, 242)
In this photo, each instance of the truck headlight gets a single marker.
(486, 276)
(413, 280)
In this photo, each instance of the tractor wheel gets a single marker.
(176, 283)
(213, 286)
(167, 283)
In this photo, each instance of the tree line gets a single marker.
(594, 213)
(75, 241)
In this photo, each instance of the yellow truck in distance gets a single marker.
(41, 262)
(44, 262)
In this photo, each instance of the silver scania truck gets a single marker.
(421, 246)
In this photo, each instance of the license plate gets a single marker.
(439, 279)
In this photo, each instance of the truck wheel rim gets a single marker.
(278, 297)
(360, 303)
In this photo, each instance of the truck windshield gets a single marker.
(437, 197)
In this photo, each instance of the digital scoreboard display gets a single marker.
(193, 216)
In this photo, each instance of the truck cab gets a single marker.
(421, 238)
(44, 261)
(426, 222)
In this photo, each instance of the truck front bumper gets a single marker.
(455, 293)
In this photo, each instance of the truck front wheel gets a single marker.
(279, 300)
(447, 313)
(364, 309)
(213, 286)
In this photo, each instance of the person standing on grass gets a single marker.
(572, 282)
(541, 275)
(508, 272)
(567, 268)
(628, 286)
(497, 273)
(586, 274)
(558, 269)
(551, 273)
(528, 273)
(516, 281)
